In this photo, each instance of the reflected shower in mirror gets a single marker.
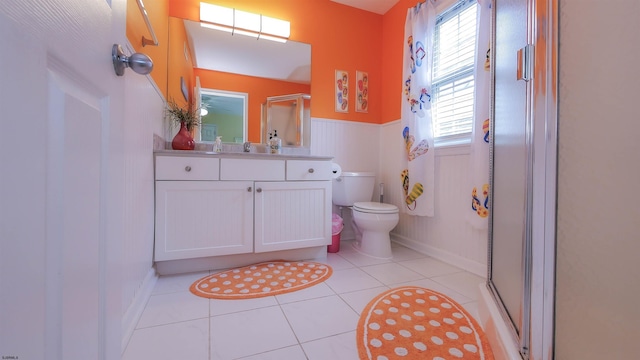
(287, 116)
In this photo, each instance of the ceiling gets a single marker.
(374, 6)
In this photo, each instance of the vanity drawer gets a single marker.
(187, 168)
(252, 169)
(308, 170)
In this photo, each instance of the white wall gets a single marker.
(144, 109)
(598, 243)
(368, 147)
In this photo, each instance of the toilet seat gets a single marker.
(375, 208)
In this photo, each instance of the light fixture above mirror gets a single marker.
(244, 23)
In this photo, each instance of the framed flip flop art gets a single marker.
(342, 91)
(362, 91)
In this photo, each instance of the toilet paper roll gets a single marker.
(335, 170)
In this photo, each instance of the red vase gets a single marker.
(183, 139)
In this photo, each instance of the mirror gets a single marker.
(228, 64)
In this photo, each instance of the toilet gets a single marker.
(371, 221)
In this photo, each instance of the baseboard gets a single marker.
(452, 259)
(173, 267)
(502, 343)
(134, 312)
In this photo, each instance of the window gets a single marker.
(452, 83)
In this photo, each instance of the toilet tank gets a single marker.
(352, 187)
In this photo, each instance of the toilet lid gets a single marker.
(375, 207)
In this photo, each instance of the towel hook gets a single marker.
(140, 63)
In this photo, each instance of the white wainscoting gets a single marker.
(353, 145)
(144, 109)
(369, 147)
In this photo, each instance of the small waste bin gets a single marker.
(336, 228)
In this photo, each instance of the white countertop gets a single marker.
(239, 155)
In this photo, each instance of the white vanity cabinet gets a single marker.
(215, 205)
(292, 201)
(196, 214)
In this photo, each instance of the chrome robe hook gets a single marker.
(140, 63)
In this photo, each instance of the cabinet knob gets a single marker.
(311, 171)
(249, 189)
(187, 168)
(259, 190)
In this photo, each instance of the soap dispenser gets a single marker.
(217, 145)
(275, 143)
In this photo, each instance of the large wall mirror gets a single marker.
(226, 65)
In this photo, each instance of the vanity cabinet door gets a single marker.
(203, 218)
(292, 215)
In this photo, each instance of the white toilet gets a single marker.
(371, 221)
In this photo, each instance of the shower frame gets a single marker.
(302, 122)
(533, 337)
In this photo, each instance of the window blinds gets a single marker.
(452, 84)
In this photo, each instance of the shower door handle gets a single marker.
(524, 70)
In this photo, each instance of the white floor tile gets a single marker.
(315, 291)
(391, 273)
(401, 253)
(289, 353)
(430, 267)
(221, 307)
(358, 259)
(338, 347)
(173, 307)
(177, 283)
(337, 262)
(184, 340)
(249, 332)
(359, 299)
(351, 280)
(463, 282)
(318, 318)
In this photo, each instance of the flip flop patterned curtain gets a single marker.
(479, 200)
(417, 177)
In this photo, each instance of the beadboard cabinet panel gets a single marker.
(292, 215)
(203, 218)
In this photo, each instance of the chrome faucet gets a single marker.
(247, 146)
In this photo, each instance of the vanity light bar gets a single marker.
(244, 23)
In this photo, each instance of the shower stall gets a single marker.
(516, 305)
(289, 117)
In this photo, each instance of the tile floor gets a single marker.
(317, 323)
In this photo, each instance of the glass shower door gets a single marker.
(511, 169)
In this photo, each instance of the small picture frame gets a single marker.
(184, 89)
(342, 91)
(362, 91)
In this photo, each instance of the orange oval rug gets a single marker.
(260, 280)
(416, 323)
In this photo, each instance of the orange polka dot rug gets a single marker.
(417, 323)
(260, 280)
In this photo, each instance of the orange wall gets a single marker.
(259, 89)
(341, 37)
(158, 11)
(182, 67)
